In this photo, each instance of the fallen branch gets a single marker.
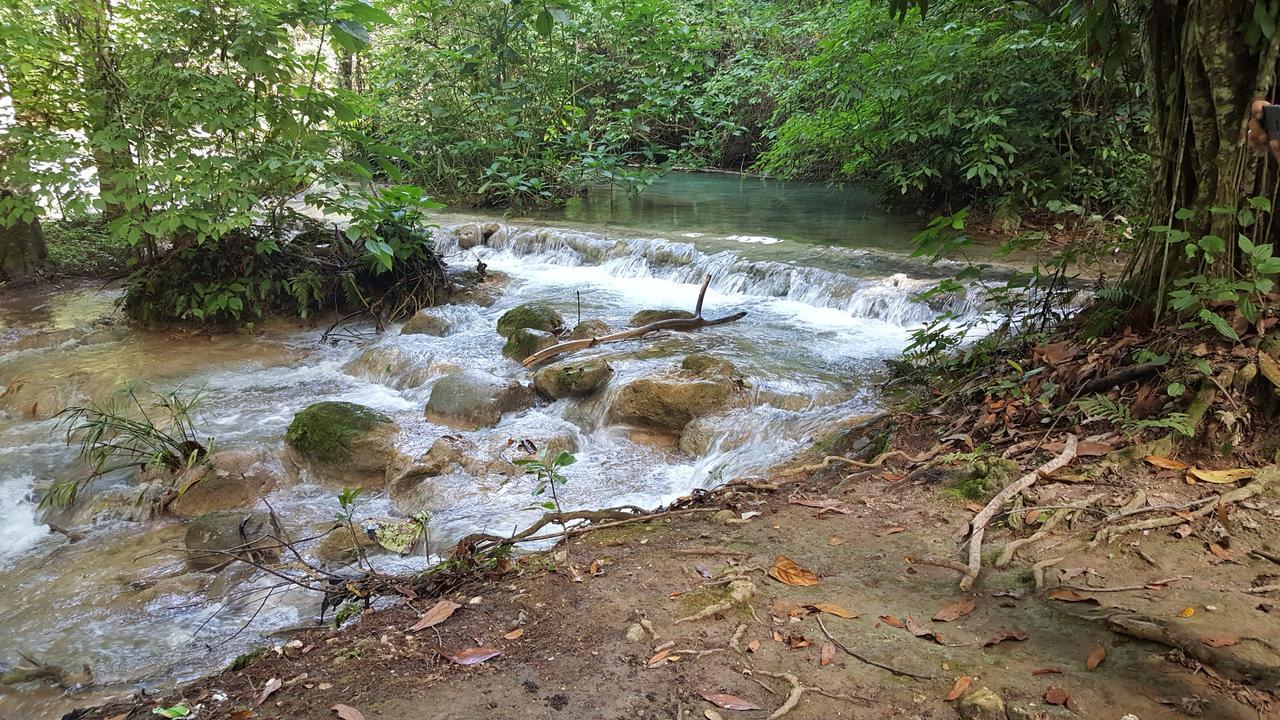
(979, 523)
(867, 660)
(1121, 588)
(1119, 377)
(679, 324)
(477, 542)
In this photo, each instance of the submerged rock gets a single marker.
(573, 379)
(704, 364)
(670, 401)
(477, 288)
(526, 341)
(393, 366)
(243, 533)
(340, 544)
(427, 322)
(701, 434)
(344, 444)
(473, 399)
(225, 480)
(536, 316)
(589, 329)
(644, 317)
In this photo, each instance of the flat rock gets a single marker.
(473, 399)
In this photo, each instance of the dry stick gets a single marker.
(1012, 547)
(979, 523)
(1256, 487)
(1121, 588)
(867, 660)
(682, 324)
(1263, 589)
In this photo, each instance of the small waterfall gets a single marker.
(890, 298)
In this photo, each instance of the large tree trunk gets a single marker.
(22, 248)
(1201, 75)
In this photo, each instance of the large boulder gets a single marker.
(213, 539)
(225, 480)
(709, 365)
(530, 315)
(572, 379)
(427, 321)
(526, 341)
(473, 399)
(670, 401)
(589, 329)
(344, 444)
(340, 545)
(644, 317)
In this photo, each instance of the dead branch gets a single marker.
(939, 562)
(1265, 555)
(979, 523)
(1158, 630)
(480, 542)
(1012, 547)
(696, 322)
(1125, 374)
(45, 671)
(867, 660)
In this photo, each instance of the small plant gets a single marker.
(1101, 407)
(547, 470)
(131, 433)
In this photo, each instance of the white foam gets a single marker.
(19, 529)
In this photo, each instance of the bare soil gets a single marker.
(561, 619)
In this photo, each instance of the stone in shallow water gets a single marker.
(344, 444)
(427, 322)
(212, 537)
(572, 379)
(473, 399)
(526, 341)
(536, 316)
(227, 479)
(589, 329)
(670, 401)
(644, 317)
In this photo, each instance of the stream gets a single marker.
(823, 276)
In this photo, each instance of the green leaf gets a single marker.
(1184, 214)
(1213, 244)
(543, 22)
(1219, 324)
(1176, 389)
(350, 35)
(176, 711)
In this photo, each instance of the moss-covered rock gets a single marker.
(644, 317)
(473, 399)
(344, 444)
(589, 329)
(536, 316)
(574, 379)
(393, 366)
(427, 322)
(477, 288)
(526, 341)
(704, 364)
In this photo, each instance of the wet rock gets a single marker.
(225, 480)
(344, 444)
(551, 445)
(589, 329)
(981, 704)
(339, 546)
(427, 322)
(446, 455)
(245, 533)
(644, 317)
(572, 379)
(701, 434)
(524, 342)
(536, 316)
(478, 288)
(469, 236)
(670, 401)
(393, 366)
(704, 364)
(473, 399)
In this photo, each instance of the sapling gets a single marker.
(546, 468)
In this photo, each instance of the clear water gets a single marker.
(820, 321)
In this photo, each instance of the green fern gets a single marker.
(1101, 407)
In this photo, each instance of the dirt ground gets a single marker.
(562, 620)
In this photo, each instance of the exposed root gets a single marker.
(44, 671)
(1037, 571)
(1237, 666)
(1153, 585)
(939, 562)
(793, 697)
(1013, 546)
(735, 642)
(867, 660)
(740, 591)
(979, 523)
(1260, 482)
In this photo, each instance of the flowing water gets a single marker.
(827, 301)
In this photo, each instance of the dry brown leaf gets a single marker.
(1220, 641)
(892, 621)
(797, 642)
(974, 507)
(1164, 462)
(1221, 477)
(784, 608)
(785, 570)
(1219, 552)
(437, 614)
(835, 540)
(1066, 595)
(777, 636)
(237, 715)
(1183, 530)
(1095, 658)
(833, 609)
(1031, 516)
(1006, 635)
(891, 531)
(826, 654)
(920, 631)
(753, 646)
(1046, 671)
(346, 712)
(514, 634)
(658, 658)
(955, 610)
(962, 684)
(728, 702)
(474, 656)
(268, 690)
(1055, 695)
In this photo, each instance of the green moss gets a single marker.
(530, 315)
(644, 317)
(243, 661)
(989, 476)
(701, 598)
(324, 431)
(524, 342)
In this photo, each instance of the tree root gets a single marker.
(741, 590)
(1037, 571)
(979, 523)
(1013, 546)
(867, 660)
(797, 691)
(1257, 486)
(1121, 588)
(1158, 630)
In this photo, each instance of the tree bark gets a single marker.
(22, 248)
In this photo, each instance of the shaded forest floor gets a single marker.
(568, 622)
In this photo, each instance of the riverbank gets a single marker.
(665, 619)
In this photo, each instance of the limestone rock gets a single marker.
(670, 401)
(244, 532)
(469, 236)
(701, 434)
(392, 366)
(427, 322)
(704, 364)
(339, 545)
(536, 316)
(572, 379)
(473, 399)
(477, 288)
(225, 480)
(644, 317)
(981, 704)
(589, 329)
(524, 342)
(1036, 710)
(344, 444)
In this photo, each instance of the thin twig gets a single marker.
(867, 660)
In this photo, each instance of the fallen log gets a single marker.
(679, 324)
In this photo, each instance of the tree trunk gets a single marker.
(22, 248)
(1201, 75)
